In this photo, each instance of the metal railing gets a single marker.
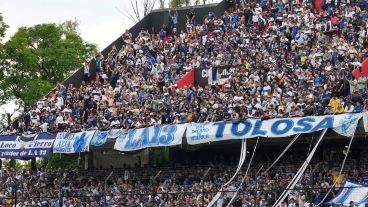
(249, 195)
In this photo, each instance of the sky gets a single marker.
(99, 21)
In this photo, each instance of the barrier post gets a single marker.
(256, 185)
(105, 187)
(310, 193)
(203, 177)
(15, 195)
(154, 184)
(61, 192)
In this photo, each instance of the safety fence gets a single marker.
(247, 196)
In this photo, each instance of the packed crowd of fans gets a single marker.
(291, 61)
(177, 185)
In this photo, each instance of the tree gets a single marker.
(40, 163)
(140, 9)
(180, 3)
(12, 163)
(38, 57)
(3, 27)
(160, 156)
(64, 161)
(176, 3)
(8, 114)
(162, 4)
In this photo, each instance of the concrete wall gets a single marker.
(161, 16)
(153, 23)
(113, 158)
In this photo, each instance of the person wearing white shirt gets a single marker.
(59, 119)
(266, 89)
(349, 108)
(238, 97)
(35, 118)
(41, 103)
(257, 12)
(44, 127)
(289, 105)
(114, 122)
(59, 101)
(86, 72)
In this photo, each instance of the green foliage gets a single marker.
(64, 161)
(40, 163)
(70, 26)
(180, 3)
(36, 58)
(113, 153)
(161, 155)
(34, 89)
(3, 27)
(12, 163)
(176, 3)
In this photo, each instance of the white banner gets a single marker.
(73, 142)
(154, 136)
(365, 121)
(350, 191)
(26, 145)
(100, 137)
(114, 133)
(198, 133)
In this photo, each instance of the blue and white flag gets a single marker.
(73, 142)
(26, 146)
(100, 137)
(365, 121)
(114, 133)
(343, 124)
(120, 142)
(154, 136)
(350, 191)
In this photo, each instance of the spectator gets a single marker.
(362, 81)
(86, 72)
(289, 66)
(173, 18)
(191, 16)
(181, 184)
(349, 108)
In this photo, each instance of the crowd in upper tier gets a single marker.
(178, 186)
(292, 60)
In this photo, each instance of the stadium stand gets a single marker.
(178, 185)
(290, 60)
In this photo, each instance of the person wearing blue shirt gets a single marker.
(317, 199)
(211, 15)
(147, 70)
(91, 121)
(318, 80)
(358, 108)
(294, 31)
(128, 122)
(264, 4)
(202, 118)
(234, 19)
(173, 18)
(162, 34)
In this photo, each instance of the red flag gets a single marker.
(358, 72)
